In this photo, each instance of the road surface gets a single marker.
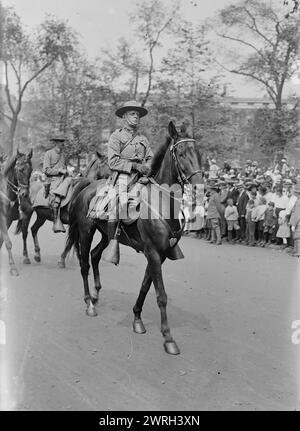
(231, 310)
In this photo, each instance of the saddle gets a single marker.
(41, 199)
(106, 201)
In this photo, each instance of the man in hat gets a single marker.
(129, 157)
(241, 204)
(57, 179)
(295, 220)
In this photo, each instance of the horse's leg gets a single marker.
(96, 254)
(40, 220)
(25, 223)
(138, 325)
(62, 262)
(8, 244)
(86, 238)
(154, 262)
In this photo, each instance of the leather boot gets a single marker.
(112, 252)
(229, 236)
(57, 224)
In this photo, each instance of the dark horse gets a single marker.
(177, 161)
(96, 169)
(15, 201)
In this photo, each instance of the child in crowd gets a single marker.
(258, 216)
(231, 216)
(250, 224)
(284, 230)
(269, 223)
(214, 213)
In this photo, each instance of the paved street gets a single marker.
(230, 309)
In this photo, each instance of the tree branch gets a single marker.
(255, 28)
(243, 42)
(270, 90)
(7, 89)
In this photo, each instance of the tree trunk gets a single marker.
(12, 132)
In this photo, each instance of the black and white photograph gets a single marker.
(149, 208)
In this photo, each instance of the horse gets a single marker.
(15, 201)
(96, 169)
(176, 161)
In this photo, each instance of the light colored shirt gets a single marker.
(280, 201)
(258, 212)
(291, 204)
(231, 213)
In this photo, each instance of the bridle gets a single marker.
(182, 178)
(16, 189)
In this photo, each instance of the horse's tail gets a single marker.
(73, 232)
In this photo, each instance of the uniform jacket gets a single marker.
(53, 161)
(121, 155)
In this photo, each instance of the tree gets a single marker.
(152, 19)
(128, 61)
(27, 56)
(184, 66)
(271, 44)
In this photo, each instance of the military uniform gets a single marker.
(53, 162)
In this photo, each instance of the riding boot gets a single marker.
(112, 252)
(57, 223)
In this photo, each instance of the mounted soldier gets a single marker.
(57, 180)
(129, 159)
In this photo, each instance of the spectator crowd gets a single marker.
(251, 206)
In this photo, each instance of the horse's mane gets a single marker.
(9, 165)
(159, 156)
(87, 169)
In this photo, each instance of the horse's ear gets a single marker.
(99, 155)
(172, 130)
(29, 155)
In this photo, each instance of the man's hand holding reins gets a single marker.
(142, 168)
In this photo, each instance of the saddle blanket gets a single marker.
(40, 201)
(150, 202)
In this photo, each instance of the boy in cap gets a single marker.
(214, 214)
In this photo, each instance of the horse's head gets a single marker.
(186, 160)
(97, 168)
(23, 170)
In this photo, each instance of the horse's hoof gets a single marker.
(26, 261)
(171, 348)
(138, 327)
(61, 264)
(94, 300)
(14, 271)
(91, 312)
(37, 258)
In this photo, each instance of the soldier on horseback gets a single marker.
(57, 180)
(129, 157)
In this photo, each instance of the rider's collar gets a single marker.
(129, 129)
